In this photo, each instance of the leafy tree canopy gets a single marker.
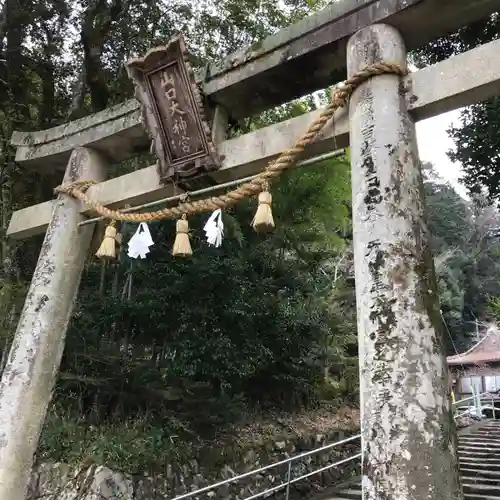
(476, 137)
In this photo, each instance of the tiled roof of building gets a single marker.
(486, 350)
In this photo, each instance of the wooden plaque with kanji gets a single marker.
(172, 112)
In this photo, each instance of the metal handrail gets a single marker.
(289, 480)
(479, 397)
(471, 397)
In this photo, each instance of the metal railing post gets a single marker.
(473, 401)
(477, 406)
(289, 476)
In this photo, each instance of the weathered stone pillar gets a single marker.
(29, 376)
(408, 430)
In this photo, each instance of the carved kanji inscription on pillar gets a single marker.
(172, 111)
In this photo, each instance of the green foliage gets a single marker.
(254, 323)
(11, 296)
(449, 219)
(476, 138)
(494, 308)
(137, 445)
(466, 256)
(464, 39)
(477, 147)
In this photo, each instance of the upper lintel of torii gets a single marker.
(309, 55)
(300, 59)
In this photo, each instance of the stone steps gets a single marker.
(480, 473)
(479, 443)
(479, 455)
(467, 479)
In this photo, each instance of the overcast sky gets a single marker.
(434, 142)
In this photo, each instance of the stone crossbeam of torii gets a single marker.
(408, 431)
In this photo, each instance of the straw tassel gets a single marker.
(182, 246)
(263, 220)
(107, 250)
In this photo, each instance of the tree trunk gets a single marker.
(98, 19)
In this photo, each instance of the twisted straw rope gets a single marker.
(273, 170)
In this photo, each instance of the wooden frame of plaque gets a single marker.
(173, 112)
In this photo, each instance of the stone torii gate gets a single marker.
(408, 430)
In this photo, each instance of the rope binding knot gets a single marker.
(72, 188)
